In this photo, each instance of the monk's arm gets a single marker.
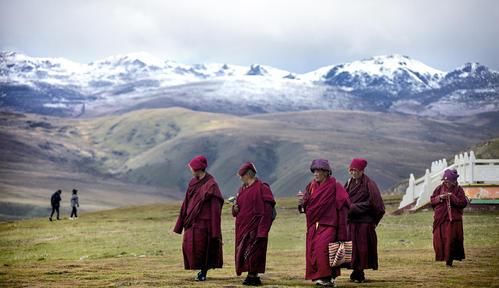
(459, 200)
(360, 207)
(376, 201)
(216, 210)
(435, 197)
(266, 221)
(342, 232)
(180, 222)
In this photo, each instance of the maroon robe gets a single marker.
(326, 207)
(366, 210)
(200, 219)
(253, 222)
(448, 240)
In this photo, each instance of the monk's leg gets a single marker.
(448, 243)
(439, 242)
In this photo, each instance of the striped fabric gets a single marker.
(340, 253)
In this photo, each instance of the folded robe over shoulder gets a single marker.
(200, 218)
(326, 208)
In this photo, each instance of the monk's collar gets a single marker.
(251, 184)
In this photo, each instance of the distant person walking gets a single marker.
(200, 219)
(253, 210)
(75, 202)
(55, 201)
(325, 204)
(448, 201)
(366, 210)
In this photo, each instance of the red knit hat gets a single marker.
(198, 163)
(358, 164)
(245, 167)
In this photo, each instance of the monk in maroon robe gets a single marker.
(448, 201)
(366, 210)
(200, 219)
(253, 209)
(325, 204)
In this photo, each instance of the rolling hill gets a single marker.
(140, 156)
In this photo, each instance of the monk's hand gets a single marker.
(235, 208)
(444, 196)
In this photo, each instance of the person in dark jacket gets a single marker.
(75, 202)
(55, 201)
(365, 212)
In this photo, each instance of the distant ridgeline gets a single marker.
(478, 177)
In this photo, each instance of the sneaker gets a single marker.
(200, 276)
(324, 283)
(71, 218)
(50, 218)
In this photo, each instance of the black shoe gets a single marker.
(257, 281)
(201, 276)
(50, 218)
(252, 281)
(357, 276)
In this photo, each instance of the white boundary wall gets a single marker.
(470, 170)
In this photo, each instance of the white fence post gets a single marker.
(470, 170)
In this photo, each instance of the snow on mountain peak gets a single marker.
(389, 65)
(137, 58)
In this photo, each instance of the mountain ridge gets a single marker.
(396, 83)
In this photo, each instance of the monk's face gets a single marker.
(356, 174)
(449, 184)
(320, 175)
(246, 179)
(196, 174)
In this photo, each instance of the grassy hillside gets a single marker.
(152, 146)
(487, 150)
(140, 157)
(134, 247)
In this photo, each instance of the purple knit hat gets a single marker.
(450, 175)
(320, 164)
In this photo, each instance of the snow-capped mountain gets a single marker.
(393, 74)
(126, 82)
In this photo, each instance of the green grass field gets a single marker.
(135, 247)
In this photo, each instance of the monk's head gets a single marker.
(198, 166)
(356, 168)
(321, 175)
(450, 178)
(321, 169)
(247, 173)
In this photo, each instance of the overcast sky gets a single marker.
(298, 36)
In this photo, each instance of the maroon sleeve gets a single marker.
(435, 197)
(459, 200)
(216, 209)
(180, 220)
(376, 201)
(342, 232)
(268, 206)
(306, 197)
(265, 222)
